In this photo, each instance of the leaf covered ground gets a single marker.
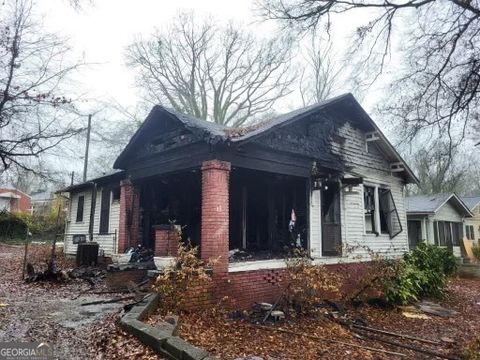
(227, 338)
(49, 312)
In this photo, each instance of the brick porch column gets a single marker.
(129, 224)
(215, 213)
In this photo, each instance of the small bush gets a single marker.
(12, 226)
(308, 284)
(472, 350)
(188, 273)
(423, 273)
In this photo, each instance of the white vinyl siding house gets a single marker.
(106, 239)
(438, 219)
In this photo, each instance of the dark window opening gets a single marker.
(369, 208)
(448, 233)
(116, 194)
(469, 232)
(104, 211)
(80, 206)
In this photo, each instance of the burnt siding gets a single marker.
(352, 147)
(310, 138)
(374, 167)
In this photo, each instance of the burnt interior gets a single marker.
(261, 205)
(173, 198)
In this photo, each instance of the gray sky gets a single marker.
(101, 31)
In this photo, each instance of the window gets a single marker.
(104, 211)
(369, 207)
(386, 220)
(116, 194)
(80, 206)
(469, 232)
(448, 233)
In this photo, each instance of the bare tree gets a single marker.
(437, 86)
(33, 70)
(319, 78)
(218, 73)
(440, 170)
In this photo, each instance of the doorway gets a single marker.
(331, 219)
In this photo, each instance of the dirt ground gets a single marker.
(52, 312)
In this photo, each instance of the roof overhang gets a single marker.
(103, 180)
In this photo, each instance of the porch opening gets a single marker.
(171, 198)
(262, 207)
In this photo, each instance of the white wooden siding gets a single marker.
(374, 168)
(107, 242)
(475, 221)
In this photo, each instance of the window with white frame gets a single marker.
(469, 232)
(369, 208)
(381, 215)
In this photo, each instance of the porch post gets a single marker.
(215, 213)
(129, 216)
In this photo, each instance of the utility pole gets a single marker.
(85, 163)
(71, 178)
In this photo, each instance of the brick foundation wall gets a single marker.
(166, 243)
(129, 224)
(246, 288)
(215, 214)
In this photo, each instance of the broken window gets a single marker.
(80, 206)
(389, 219)
(369, 207)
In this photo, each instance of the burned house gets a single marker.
(323, 178)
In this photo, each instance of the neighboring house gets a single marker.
(14, 200)
(42, 201)
(323, 178)
(472, 224)
(438, 219)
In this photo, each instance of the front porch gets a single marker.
(235, 215)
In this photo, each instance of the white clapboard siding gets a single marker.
(475, 222)
(374, 168)
(107, 242)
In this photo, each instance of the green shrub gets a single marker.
(12, 226)
(423, 273)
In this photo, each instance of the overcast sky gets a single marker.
(102, 29)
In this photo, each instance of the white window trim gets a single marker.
(257, 265)
(376, 186)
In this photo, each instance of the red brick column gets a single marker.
(129, 224)
(215, 216)
(166, 240)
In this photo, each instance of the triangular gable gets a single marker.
(346, 104)
(457, 202)
(163, 121)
